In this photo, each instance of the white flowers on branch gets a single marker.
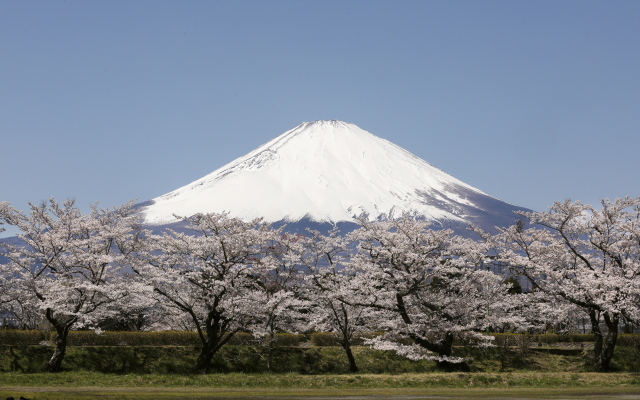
(70, 266)
(329, 289)
(584, 257)
(423, 289)
(211, 276)
(428, 287)
(278, 306)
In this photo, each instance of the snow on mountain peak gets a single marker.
(328, 171)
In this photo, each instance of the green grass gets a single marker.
(240, 372)
(73, 385)
(387, 394)
(180, 360)
(314, 360)
(298, 381)
(171, 394)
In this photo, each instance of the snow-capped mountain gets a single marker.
(330, 172)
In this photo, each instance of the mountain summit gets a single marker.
(331, 171)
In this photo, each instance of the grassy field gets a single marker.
(314, 360)
(321, 372)
(297, 381)
(73, 385)
(399, 394)
(91, 385)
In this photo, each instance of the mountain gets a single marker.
(323, 173)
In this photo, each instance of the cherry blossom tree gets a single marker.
(70, 266)
(328, 289)
(6, 277)
(429, 287)
(210, 276)
(583, 256)
(25, 313)
(278, 306)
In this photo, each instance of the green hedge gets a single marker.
(165, 338)
(240, 339)
(546, 338)
(14, 337)
(287, 339)
(90, 338)
(506, 340)
(359, 338)
(623, 339)
(570, 338)
(181, 338)
(629, 340)
(326, 339)
(335, 339)
(580, 337)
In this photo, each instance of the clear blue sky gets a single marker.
(529, 101)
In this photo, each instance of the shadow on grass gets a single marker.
(314, 360)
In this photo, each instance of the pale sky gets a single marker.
(528, 101)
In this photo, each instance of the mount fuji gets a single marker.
(324, 173)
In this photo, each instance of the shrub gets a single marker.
(359, 339)
(520, 340)
(123, 338)
(524, 342)
(631, 340)
(547, 338)
(326, 339)
(572, 337)
(165, 338)
(335, 339)
(287, 339)
(581, 337)
(239, 339)
(16, 337)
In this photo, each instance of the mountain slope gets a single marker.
(327, 172)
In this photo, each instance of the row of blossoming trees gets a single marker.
(423, 289)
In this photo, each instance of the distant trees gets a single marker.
(419, 289)
(515, 288)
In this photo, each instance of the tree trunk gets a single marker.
(270, 356)
(211, 343)
(607, 351)
(604, 345)
(447, 366)
(353, 368)
(445, 349)
(55, 363)
(204, 359)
